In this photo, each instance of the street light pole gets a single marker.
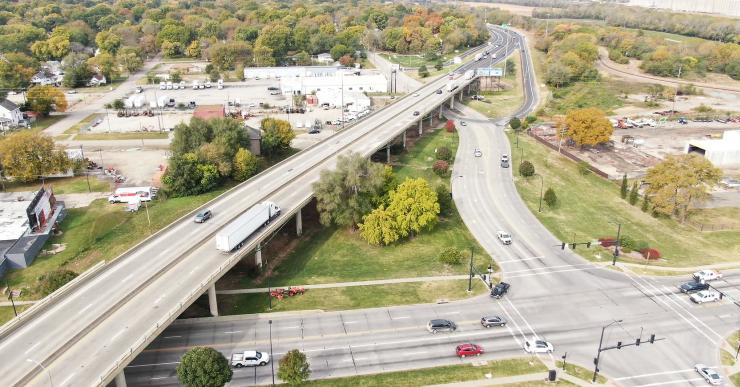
(51, 383)
(272, 360)
(542, 186)
(470, 273)
(598, 354)
(616, 244)
(12, 302)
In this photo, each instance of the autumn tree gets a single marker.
(16, 70)
(348, 192)
(129, 58)
(26, 156)
(44, 99)
(294, 367)
(679, 182)
(588, 126)
(108, 42)
(413, 206)
(246, 165)
(106, 64)
(276, 135)
(378, 227)
(204, 367)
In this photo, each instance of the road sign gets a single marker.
(490, 72)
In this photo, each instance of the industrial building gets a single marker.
(354, 101)
(349, 82)
(724, 152)
(26, 222)
(290, 72)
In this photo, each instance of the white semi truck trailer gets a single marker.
(235, 233)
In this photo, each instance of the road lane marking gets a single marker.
(84, 309)
(172, 337)
(64, 382)
(548, 267)
(400, 318)
(447, 313)
(655, 374)
(31, 348)
(232, 332)
(546, 273)
(351, 322)
(671, 382)
(519, 260)
(159, 377)
(415, 353)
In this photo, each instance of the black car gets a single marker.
(693, 286)
(435, 326)
(439, 91)
(416, 113)
(504, 164)
(492, 321)
(500, 289)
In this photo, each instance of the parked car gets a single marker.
(477, 153)
(468, 349)
(500, 289)
(731, 183)
(535, 345)
(71, 91)
(504, 237)
(705, 296)
(437, 325)
(492, 321)
(707, 275)
(711, 376)
(203, 216)
(694, 286)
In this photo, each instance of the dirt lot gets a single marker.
(139, 166)
(515, 9)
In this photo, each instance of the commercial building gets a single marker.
(26, 222)
(347, 81)
(354, 101)
(290, 72)
(724, 152)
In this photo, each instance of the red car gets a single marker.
(468, 349)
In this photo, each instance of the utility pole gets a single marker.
(470, 272)
(616, 244)
(87, 172)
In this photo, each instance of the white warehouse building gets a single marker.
(355, 101)
(724, 152)
(290, 72)
(372, 83)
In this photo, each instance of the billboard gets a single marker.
(490, 72)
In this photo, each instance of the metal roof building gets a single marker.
(724, 152)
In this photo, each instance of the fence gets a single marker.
(713, 227)
(569, 155)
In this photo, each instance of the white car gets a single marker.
(710, 375)
(705, 296)
(504, 237)
(535, 345)
(416, 94)
(477, 153)
(707, 275)
(463, 123)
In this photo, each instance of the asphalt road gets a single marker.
(87, 334)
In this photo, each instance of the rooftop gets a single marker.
(13, 219)
(209, 111)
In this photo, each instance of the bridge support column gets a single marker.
(120, 379)
(404, 139)
(421, 128)
(388, 153)
(460, 96)
(469, 84)
(431, 117)
(452, 102)
(212, 303)
(298, 223)
(258, 256)
(440, 112)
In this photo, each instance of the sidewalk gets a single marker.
(538, 377)
(347, 284)
(8, 303)
(677, 270)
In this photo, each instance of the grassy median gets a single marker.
(63, 185)
(590, 207)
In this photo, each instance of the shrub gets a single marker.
(531, 119)
(451, 256)
(627, 243)
(423, 72)
(634, 195)
(444, 153)
(607, 241)
(640, 245)
(584, 168)
(526, 169)
(441, 167)
(515, 123)
(444, 198)
(623, 188)
(450, 126)
(550, 198)
(645, 204)
(54, 280)
(650, 253)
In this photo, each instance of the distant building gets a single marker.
(10, 115)
(51, 73)
(26, 223)
(290, 72)
(372, 83)
(97, 80)
(209, 111)
(354, 101)
(724, 152)
(324, 58)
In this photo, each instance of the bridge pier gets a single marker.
(431, 117)
(388, 153)
(421, 129)
(440, 112)
(404, 139)
(212, 303)
(298, 223)
(461, 95)
(120, 379)
(452, 102)
(258, 256)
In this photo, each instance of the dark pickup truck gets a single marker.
(500, 289)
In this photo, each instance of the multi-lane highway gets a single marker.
(90, 333)
(555, 295)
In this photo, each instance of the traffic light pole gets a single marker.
(616, 244)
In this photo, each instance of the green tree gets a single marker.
(634, 194)
(679, 182)
(44, 99)
(645, 203)
(526, 169)
(76, 70)
(129, 58)
(551, 198)
(186, 175)
(118, 104)
(378, 227)
(27, 155)
(515, 123)
(225, 56)
(444, 198)
(423, 72)
(16, 70)
(108, 42)
(53, 280)
(623, 188)
(276, 135)
(175, 76)
(246, 165)
(294, 368)
(107, 65)
(276, 37)
(588, 126)
(347, 193)
(413, 206)
(340, 50)
(214, 75)
(204, 367)
(438, 65)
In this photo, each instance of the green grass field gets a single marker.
(580, 372)
(100, 232)
(45, 122)
(63, 185)
(606, 95)
(85, 122)
(353, 297)
(122, 136)
(412, 60)
(502, 103)
(590, 206)
(440, 375)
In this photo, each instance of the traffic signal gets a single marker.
(588, 245)
(619, 345)
(637, 342)
(562, 246)
(652, 338)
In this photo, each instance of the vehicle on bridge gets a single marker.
(233, 236)
(468, 349)
(249, 359)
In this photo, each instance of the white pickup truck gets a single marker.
(705, 296)
(249, 359)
